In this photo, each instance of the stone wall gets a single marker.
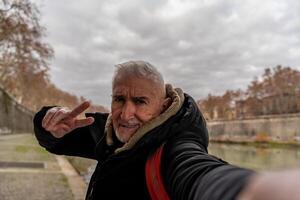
(14, 118)
(274, 127)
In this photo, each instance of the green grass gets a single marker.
(23, 147)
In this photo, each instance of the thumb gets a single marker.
(83, 122)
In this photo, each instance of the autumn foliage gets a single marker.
(24, 58)
(277, 91)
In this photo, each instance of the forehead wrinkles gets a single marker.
(133, 91)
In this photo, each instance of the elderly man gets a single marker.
(145, 115)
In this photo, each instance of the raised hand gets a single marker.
(60, 121)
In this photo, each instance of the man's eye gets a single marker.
(140, 101)
(119, 99)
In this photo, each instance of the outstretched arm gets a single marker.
(191, 173)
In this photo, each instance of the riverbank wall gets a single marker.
(281, 128)
(14, 118)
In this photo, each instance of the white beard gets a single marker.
(120, 138)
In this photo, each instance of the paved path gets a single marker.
(56, 180)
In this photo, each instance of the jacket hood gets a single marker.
(177, 98)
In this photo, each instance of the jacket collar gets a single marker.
(177, 98)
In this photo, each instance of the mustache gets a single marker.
(130, 122)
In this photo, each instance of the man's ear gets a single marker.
(166, 104)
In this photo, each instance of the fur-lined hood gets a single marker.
(177, 98)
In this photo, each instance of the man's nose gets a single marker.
(128, 111)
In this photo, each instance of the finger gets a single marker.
(61, 130)
(84, 122)
(79, 109)
(50, 113)
(58, 116)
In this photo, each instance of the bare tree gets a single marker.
(21, 46)
(276, 92)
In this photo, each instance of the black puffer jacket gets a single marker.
(188, 170)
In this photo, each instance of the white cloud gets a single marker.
(204, 46)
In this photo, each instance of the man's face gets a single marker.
(135, 101)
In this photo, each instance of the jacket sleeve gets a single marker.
(191, 173)
(79, 142)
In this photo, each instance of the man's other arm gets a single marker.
(77, 142)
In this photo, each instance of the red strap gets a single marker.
(153, 176)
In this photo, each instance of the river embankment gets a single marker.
(273, 129)
(14, 117)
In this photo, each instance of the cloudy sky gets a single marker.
(202, 46)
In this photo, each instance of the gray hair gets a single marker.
(140, 69)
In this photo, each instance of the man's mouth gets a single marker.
(129, 126)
